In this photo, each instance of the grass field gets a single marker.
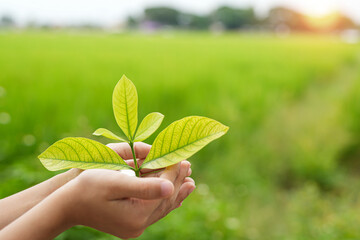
(289, 167)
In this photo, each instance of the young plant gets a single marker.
(180, 140)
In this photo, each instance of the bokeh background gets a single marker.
(284, 75)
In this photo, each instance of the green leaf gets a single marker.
(181, 139)
(125, 106)
(108, 134)
(148, 126)
(81, 153)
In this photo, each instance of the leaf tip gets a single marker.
(42, 155)
(97, 133)
(124, 78)
(161, 116)
(225, 129)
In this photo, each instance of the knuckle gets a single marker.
(113, 182)
(84, 179)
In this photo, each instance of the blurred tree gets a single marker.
(281, 17)
(344, 22)
(196, 22)
(200, 22)
(7, 21)
(163, 15)
(132, 22)
(233, 18)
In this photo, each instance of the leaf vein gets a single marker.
(84, 148)
(178, 149)
(182, 131)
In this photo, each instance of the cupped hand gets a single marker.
(123, 205)
(141, 151)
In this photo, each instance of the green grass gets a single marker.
(287, 169)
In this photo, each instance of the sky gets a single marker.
(110, 12)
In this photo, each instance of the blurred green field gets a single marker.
(289, 167)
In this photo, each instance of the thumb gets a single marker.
(146, 188)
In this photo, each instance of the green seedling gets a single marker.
(179, 141)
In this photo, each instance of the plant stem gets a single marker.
(137, 170)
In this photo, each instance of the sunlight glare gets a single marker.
(318, 9)
(325, 22)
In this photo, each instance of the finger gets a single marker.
(170, 173)
(184, 169)
(189, 172)
(147, 170)
(167, 206)
(176, 174)
(152, 172)
(185, 190)
(72, 173)
(143, 188)
(123, 149)
(141, 149)
(189, 179)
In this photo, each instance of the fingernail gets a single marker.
(191, 190)
(189, 172)
(166, 189)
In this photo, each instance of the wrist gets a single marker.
(58, 204)
(60, 198)
(67, 203)
(62, 206)
(44, 221)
